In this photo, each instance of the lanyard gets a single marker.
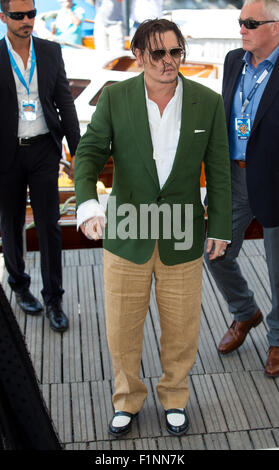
(255, 87)
(17, 70)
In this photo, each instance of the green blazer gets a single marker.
(120, 128)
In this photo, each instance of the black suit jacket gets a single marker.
(262, 157)
(55, 97)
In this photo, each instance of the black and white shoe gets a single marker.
(177, 421)
(120, 423)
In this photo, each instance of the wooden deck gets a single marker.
(232, 404)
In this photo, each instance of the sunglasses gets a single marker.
(253, 24)
(19, 15)
(158, 54)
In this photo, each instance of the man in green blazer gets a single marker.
(159, 128)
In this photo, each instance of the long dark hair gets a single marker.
(149, 28)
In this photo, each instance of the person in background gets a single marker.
(159, 127)
(109, 27)
(251, 98)
(142, 10)
(67, 26)
(38, 110)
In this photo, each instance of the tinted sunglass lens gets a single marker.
(175, 52)
(19, 15)
(31, 13)
(158, 54)
(249, 24)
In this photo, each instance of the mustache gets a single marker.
(168, 66)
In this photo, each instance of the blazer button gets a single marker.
(159, 198)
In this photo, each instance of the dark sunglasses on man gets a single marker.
(253, 24)
(158, 54)
(19, 15)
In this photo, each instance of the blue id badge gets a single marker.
(242, 127)
(28, 110)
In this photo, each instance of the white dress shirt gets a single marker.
(38, 126)
(165, 131)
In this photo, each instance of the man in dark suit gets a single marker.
(251, 98)
(37, 110)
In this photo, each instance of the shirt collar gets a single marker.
(177, 93)
(9, 44)
(247, 58)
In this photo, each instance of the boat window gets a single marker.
(95, 98)
(77, 86)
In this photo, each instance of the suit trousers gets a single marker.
(226, 270)
(35, 166)
(127, 296)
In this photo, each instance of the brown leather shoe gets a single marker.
(272, 362)
(237, 333)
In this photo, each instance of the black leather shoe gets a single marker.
(118, 431)
(28, 303)
(57, 318)
(177, 430)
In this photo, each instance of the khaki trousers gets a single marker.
(127, 296)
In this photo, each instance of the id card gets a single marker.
(242, 127)
(28, 110)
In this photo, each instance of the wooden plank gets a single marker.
(251, 400)
(52, 356)
(239, 440)
(82, 412)
(99, 445)
(71, 257)
(34, 327)
(72, 359)
(168, 443)
(192, 443)
(255, 283)
(98, 256)
(275, 434)
(102, 408)
(89, 328)
(100, 302)
(250, 248)
(86, 257)
(228, 396)
(60, 411)
(122, 444)
(145, 444)
(148, 418)
(76, 446)
(218, 319)
(209, 404)
(209, 358)
(262, 439)
(268, 390)
(216, 441)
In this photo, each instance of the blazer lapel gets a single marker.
(229, 86)
(268, 96)
(137, 111)
(41, 68)
(7, 77)
(188, 125)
